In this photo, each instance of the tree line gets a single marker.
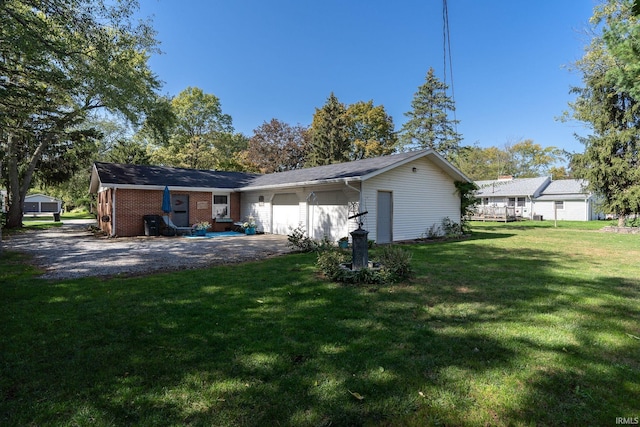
(62, 61)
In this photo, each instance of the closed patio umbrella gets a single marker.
(166, 200)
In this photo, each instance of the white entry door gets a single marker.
(384, 230)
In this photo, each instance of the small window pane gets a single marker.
(219, 200)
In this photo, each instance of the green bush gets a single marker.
(329, 263)
(396, 263)
(632, 222)
(299, 241)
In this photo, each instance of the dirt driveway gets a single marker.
(72, 251)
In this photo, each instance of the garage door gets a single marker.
(286, 213)
(328, 214)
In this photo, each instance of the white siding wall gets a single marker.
(420, 199)
(323, 213)
(574, 210)
(250, 206)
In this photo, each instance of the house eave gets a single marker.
(300, 184)
(447, 167)
(104, 186)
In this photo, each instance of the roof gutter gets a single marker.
(300, 183)
(161, 187)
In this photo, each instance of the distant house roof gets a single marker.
(119, 175)
(566, 189)
(39, 197)
(512, 187)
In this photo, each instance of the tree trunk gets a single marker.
(621, 220)
(15, 205)
(18, 187)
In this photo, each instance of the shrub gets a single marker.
(632, 222)
(396, 263)
(434, 232)
(451, 228)
(448, 229)
(395, 266)
(298, 240)
(329, 263)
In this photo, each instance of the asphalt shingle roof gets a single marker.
(353, 169)
(507, 188)
(112, 173)
(121, 174)
(565, 186)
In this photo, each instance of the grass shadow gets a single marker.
(489, 331)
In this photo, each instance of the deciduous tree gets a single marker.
(277, 146)
(59, 60)
(192, 140)
(371, 131)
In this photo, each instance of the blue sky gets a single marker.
(281, 59)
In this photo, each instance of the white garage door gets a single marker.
(328, 211)
(286, 213)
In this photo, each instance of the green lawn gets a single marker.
(523, 324)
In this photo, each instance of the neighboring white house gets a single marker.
(566, 199)
(514, 196)
(403, 195)
(537, 198)
(39, 203)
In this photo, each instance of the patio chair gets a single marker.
(174, 228)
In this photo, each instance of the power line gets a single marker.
(446, 49)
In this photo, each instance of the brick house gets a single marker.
(403, 194)
(126, 193)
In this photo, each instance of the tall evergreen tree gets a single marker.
(330, 142)
(429, 124)
(610, 162)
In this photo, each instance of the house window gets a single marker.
(559, 205)
(516, 201)
(221, 206)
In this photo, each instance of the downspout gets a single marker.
(113, 212)
(359, 196)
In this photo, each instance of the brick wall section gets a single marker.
(132, 205)
(202, 214)
(130, 208)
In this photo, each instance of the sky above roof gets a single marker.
(282, 58)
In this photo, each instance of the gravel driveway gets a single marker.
(72, 251)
